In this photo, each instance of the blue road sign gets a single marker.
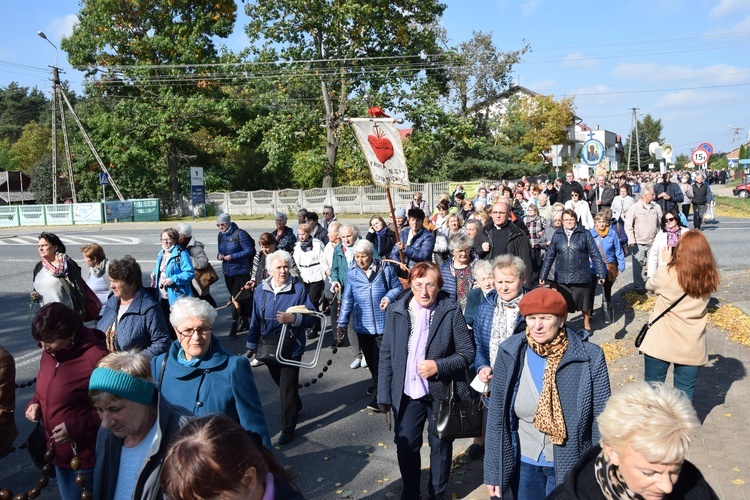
(103, 179)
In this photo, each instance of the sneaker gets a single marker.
(363, 363)
(373, 406)
(255, 363)
(356, 363)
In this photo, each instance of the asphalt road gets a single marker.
(340, 449)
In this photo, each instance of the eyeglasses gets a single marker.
(186, 334)
(429, 286)
(327, 213)
(574, 194)
(669, 219)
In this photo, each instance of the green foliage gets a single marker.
(649, 130)
(41, 182)
(20, 106)
(34, 143)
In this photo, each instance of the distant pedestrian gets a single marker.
(328, 216)
(702, 197)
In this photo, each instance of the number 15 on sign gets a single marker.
(699, 157)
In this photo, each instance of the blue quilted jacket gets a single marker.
(483, 328)
(236, 242)
(361, 298)
(583, 385)
(572, 258)
(420, 248)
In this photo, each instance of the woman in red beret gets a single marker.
(547, 388)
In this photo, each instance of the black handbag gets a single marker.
(454, 418)
(267, 345)
(36, 444)
(644, 328)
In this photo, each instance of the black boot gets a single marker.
(244, 324)
(233, 329)
(607, 312)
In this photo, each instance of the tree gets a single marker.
(377, 46)
(34, 144)
(41, 182)
(20, 106)
(649, 130)
(158, 107)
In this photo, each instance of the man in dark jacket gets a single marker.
(500, 236)
(416, 241)
(568, 187)
(236, 252)
(601, 196)
(668, 195)
(701, 197)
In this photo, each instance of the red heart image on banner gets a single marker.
(381, 146)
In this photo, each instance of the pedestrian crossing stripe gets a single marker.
(74, 240)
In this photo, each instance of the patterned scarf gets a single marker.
(500, 324)
(673, 235)
(611, 483)
(58, 269)
(548, 416)
(306, 246)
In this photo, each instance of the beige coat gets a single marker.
(680, 336)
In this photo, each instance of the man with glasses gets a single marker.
(328, 216)
(641, 226)
(500, 237)
(568, 187)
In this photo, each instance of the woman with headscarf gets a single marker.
(547, 388)
(426, 346)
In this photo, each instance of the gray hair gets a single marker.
(474, 222)
(459, 242)
(191, 307)
(479, 206)
(354, 229)
(278, 255)
(363, 246)
(184, 229)
(281, 215)
(507, 261)
(482, 268)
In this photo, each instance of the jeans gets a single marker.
(66, 482)
(640, 258)
(535, 482)
(684, 375)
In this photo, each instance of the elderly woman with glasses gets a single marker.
(426, 346)
(547, 388)
(173, 272)
(646, 432)
(458, 271)
(199, 374)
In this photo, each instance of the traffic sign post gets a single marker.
(707, 147)
(197, 190)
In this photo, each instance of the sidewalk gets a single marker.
(722, 397)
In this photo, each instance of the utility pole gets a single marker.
(634, 126)
(60, 99)
(736, 134)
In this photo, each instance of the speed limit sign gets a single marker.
(699, 156)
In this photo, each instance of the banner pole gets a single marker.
(393, 218)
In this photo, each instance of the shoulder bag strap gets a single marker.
(666, 310)
(163, 369)
(601, 250)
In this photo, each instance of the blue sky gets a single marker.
(686, 62)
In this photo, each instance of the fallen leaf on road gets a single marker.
(738, 482)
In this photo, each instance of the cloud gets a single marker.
(540, 87)
(578, 60)
(725, 7)
(694, 100)
(655, 73)
(529, 7)
(61, 27)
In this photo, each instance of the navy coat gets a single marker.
(237, 244)
(583, 385)
(483, 328)
(449, 335)
(142, 326)
(420, 248)
(265, 306)
(572, 259)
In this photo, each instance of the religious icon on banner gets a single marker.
(380, 141)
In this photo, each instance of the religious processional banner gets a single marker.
(380, 141)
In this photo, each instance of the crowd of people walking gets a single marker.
(470, 297)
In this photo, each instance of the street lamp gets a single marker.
(42, 35)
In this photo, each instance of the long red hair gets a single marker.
(695, 265)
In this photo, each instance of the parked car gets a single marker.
(742, 190)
